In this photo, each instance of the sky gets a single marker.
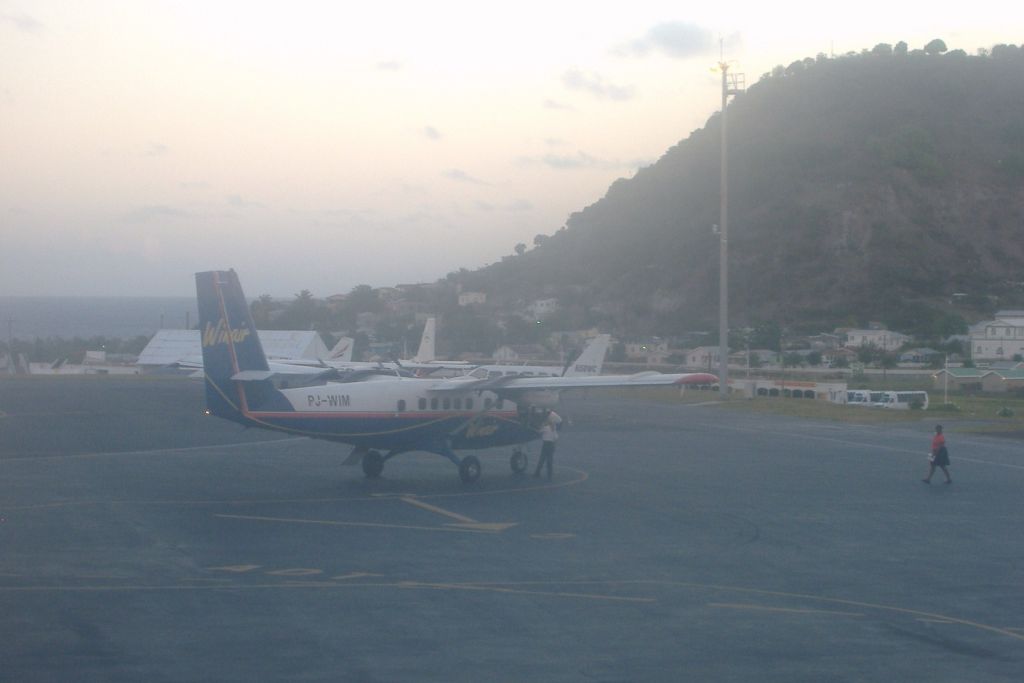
(325, 145)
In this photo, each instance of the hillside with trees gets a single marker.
(871, 186)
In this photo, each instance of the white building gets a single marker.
(518, 353)
(471, 298)
(881, 339)
(703, 358)
(542, 308)
(999, 339)
(651, 351)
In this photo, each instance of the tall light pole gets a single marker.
(729, 87)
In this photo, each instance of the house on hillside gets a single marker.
(880, 339)
(920, 355)
(703, 358)
(472, 298)
(652, 351)
(998, 339)
(542, 308)
(519, 353)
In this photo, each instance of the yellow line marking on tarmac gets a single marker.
(441, 511)
(767, 608)
(464, 522)
(517, 591)
(377, 525)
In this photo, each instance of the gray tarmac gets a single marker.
(142, 540)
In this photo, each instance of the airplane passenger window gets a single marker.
(446, 404)
(488, 403)
(433, 403)
(458, 403)
(469, 404)
(401, 405)
(422, 404)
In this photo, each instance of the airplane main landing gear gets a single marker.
(518, 462)
(469, 469)
(373, 464)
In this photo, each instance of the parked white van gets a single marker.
(902, 400)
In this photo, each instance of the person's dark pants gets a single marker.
(547, 457)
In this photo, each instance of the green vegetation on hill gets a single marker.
(865, 187)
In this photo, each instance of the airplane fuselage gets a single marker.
(394, 414)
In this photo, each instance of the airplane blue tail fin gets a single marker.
(229, 340)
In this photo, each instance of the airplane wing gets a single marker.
(510, 385)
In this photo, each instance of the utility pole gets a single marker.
(730, 86)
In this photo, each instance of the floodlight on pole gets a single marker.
(730, 86)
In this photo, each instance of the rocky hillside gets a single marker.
(866, 187)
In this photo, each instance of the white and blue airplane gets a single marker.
(376, 413)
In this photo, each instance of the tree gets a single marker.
(935, 47)
(539, 240)
(520, 249)
(363, 299)
(900, 50)
(261, 309)
(882, 50)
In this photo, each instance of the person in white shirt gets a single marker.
(548, 436)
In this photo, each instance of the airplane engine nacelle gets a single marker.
(540, 399)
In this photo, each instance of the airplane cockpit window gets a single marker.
(494, 373)
(479, 373)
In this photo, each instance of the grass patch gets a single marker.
(982, 414)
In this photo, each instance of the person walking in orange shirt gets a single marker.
(939, 457)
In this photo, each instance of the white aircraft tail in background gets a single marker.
(342, 351)
(425, 353)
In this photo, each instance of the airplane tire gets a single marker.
(469, 469)
(518, 462)
(373, 464)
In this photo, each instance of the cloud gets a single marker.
(514, 206)
(432, 133)
(155, 149)
(22, 22)
(194, 185)
(582, 161)
(461, 176)
(390, 65)
(558, 106)
(238, 202)
(676, 39)
(593, 83)
(154, 212)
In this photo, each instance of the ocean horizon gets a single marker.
(30, 317)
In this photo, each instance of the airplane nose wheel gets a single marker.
(373, 464)
(469, 469)
(518, 462)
